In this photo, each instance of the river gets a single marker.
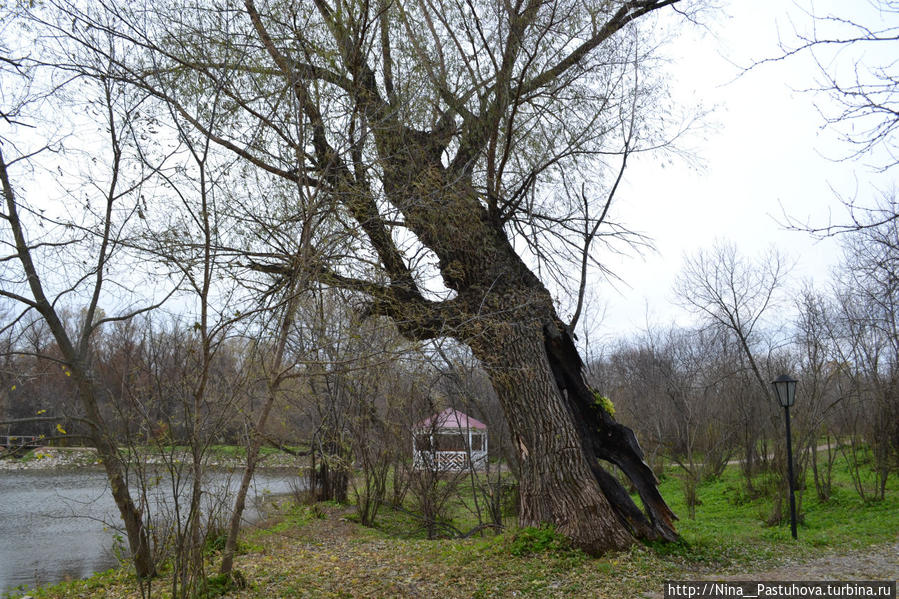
(58, 526)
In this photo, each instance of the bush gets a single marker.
(532, 540)
(215, 542)
(218, 585)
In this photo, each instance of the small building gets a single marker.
(449, 442)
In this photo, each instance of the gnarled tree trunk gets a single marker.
(507, 317)
(562, 434)
(557, 485)
(442, 163)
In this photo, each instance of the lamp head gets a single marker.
(785, 389)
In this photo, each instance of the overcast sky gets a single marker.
(765, 153)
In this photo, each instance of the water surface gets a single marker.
(61, 525)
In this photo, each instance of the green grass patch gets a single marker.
(731, 523)
(530, 540)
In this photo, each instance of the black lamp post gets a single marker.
(785, 389)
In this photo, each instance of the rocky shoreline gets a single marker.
(52, 458)
(59, 458)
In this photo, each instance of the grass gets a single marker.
(319, 551)
(728, 511)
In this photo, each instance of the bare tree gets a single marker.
(818, 364)
(276, 374)
(852, 48)
(677, 382)
(734, 295)
(869, 310)
(857, 71)
(32, 288)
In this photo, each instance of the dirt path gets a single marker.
(818, 449)
(880, 562)
(874, 563)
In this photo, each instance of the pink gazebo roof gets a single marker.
(450, 418)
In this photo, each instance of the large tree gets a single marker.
(441, 131)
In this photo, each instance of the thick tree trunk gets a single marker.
(557, 485)
(610, 441)
(506, 315)
(562, 434)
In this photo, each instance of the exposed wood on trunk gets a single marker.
(609, 441)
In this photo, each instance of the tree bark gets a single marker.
(561, 434)
(557, 485)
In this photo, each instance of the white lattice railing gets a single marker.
(449, 461)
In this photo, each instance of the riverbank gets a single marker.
(320, 551)
(52, 458)
(65, 458)
(63, 524)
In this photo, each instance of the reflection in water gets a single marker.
(60, 526)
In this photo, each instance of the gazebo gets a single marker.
(449, 442)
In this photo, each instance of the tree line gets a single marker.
(702, 393)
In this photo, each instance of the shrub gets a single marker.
(532, 540)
